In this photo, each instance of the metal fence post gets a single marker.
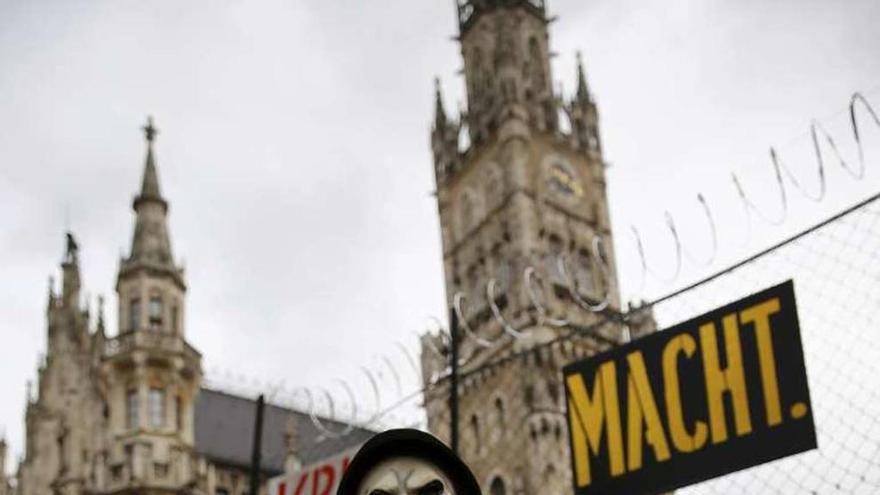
(453, 380)
(257, 447)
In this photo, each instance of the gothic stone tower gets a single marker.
(526, 190)
(150, 374)
(66, 409)
(115, 414)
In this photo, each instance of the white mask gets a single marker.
(406, 476)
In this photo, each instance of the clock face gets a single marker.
(564, 181)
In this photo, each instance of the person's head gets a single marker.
(407, 462)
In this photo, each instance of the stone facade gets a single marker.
(126, 414)
(521, 189)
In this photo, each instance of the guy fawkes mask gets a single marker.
(406, 476)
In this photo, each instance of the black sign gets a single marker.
(716, 394)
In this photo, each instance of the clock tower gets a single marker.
(521, 191)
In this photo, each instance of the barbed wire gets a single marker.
(781, 174)
(534, 282)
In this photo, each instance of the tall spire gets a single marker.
(101, 330)
(583, 92)
(584, 115)
(150, 186)
(440, 111)
(150, 243)
(70, 272)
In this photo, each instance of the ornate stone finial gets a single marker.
(583, 92)
(72, 248)
(101, 314)
(439, 109)
(150, 186)
(150, 130)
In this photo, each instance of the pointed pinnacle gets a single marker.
(101, 312)
(583, 93)
(150, 185)
(150, 130)
(440, 110)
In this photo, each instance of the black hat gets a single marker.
(407, 443)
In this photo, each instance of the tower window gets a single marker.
(62, 450)
(178, 412)
(537, 63)
(155, 312)
(551, 262)
(550, 473)
(157, 407)
(134, 314)
(497, 487)
(585, 283)
(131, 409)
(553, 391)
(499, 411)
(475, 432)
(529, 395)
(175, 315)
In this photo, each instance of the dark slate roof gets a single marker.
(224, 428)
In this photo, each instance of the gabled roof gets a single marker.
(224, 429)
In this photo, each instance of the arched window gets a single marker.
(551, 260)
(155, 312)
(178, 412)
(156, 407)
(536, 61)
(475, 432)
(584, 273)
(529, 395)
(134, 314)
(499, 414)
(131, 409)
(175, 319)
(553, 391)
(496, 487)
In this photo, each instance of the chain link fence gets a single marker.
(512, 426)
(836, 272)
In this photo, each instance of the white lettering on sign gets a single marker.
(320, 478)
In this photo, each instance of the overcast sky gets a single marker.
(294, 152)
